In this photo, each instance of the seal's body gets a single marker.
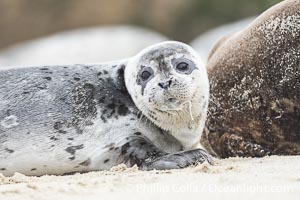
(255, 87)
(64, 119)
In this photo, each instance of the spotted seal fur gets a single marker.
(148, 110)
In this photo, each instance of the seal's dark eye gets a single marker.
(146, 74)
(182, 66)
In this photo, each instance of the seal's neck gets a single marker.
(185, 125)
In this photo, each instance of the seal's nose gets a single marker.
(165, 85)
(171, 100)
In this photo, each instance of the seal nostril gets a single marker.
(171, 100)
(165, 85)
(161, 85)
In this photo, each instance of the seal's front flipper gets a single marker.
(147, 156)
(178, 160)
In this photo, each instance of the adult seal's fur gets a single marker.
(148, 111)
(255, 87)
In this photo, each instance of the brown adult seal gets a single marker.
(255, 87)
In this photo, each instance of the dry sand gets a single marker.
(260, 178)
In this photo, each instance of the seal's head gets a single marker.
(169, 84)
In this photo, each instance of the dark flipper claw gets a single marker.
(178, 160)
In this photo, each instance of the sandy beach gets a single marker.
(275, 177)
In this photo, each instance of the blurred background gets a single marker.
(183, 20)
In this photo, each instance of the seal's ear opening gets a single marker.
(120, 84)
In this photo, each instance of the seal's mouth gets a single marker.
(172, 104)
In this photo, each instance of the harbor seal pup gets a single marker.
(148, 111)
(255, 87)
